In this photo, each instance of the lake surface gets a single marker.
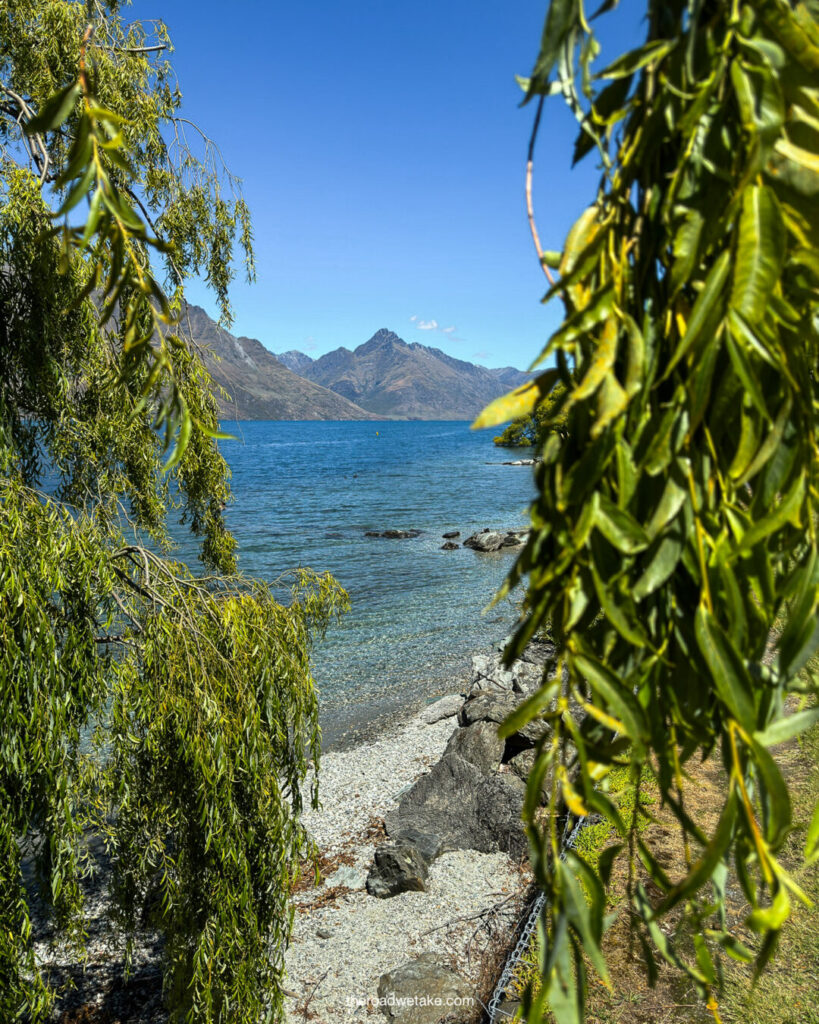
(307, 492)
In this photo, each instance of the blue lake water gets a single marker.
(306, 493)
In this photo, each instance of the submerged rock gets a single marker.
(393, 534)
(495, 540)
(451, 534)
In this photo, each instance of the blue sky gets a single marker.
(382, 151)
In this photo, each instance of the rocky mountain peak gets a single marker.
(383, 338)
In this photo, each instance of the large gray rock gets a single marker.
(427, 844)
(479, 744)
(466, 808)
(523, 763)
(490, 675)
(422, 991)
(396, 869)
(446, 707)
(488, 540)
(484, 706)
(496, 707)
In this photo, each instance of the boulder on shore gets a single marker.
(446, 707)
(396, 869)
(468, 809)
(479, 744)
(423, 991)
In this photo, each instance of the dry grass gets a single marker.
(788, 993)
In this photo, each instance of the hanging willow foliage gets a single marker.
(172, 717)
(675, 523)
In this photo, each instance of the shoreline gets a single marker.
(344, 940)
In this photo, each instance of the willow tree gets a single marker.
(171, 714)
(673, 545)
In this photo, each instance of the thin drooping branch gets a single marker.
(530, 210)
(139, 49)
(34, 142)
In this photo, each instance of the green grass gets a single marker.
(591, 841)
(788, 991)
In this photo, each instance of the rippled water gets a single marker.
(306, 493)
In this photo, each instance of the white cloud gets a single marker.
(481, 355)
(433, 325)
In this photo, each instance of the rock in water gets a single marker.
(449, 546)
(422, 991)
(398, 868)
(479, 744)
(451, 535)
(393, 534)
(488, 541)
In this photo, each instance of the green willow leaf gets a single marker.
(706, 309)
(613, 693)
(636, 59)
(760, 252)
(731, 679)
(618, 527)
(55, 110)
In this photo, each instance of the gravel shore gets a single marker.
(344, 939)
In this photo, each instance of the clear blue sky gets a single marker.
(382, 152)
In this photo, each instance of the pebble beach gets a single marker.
(343, 938)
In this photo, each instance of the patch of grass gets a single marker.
(589, 845)
(788, 991)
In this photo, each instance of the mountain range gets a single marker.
(385, 378)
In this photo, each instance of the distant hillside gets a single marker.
(394, 379)
(298, 362)
(260, 387)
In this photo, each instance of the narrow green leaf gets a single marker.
(729, 675)
(786, 728)
(55, 110)
(639, 58)
(760, 252)
(786, 511)
(706, 308)
(614, 694)
(517, 403)
(618, 526)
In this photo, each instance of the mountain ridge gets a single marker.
(258, 386)
(391, 377)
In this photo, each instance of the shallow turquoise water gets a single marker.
(306, 493)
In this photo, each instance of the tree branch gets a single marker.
(530, 212)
